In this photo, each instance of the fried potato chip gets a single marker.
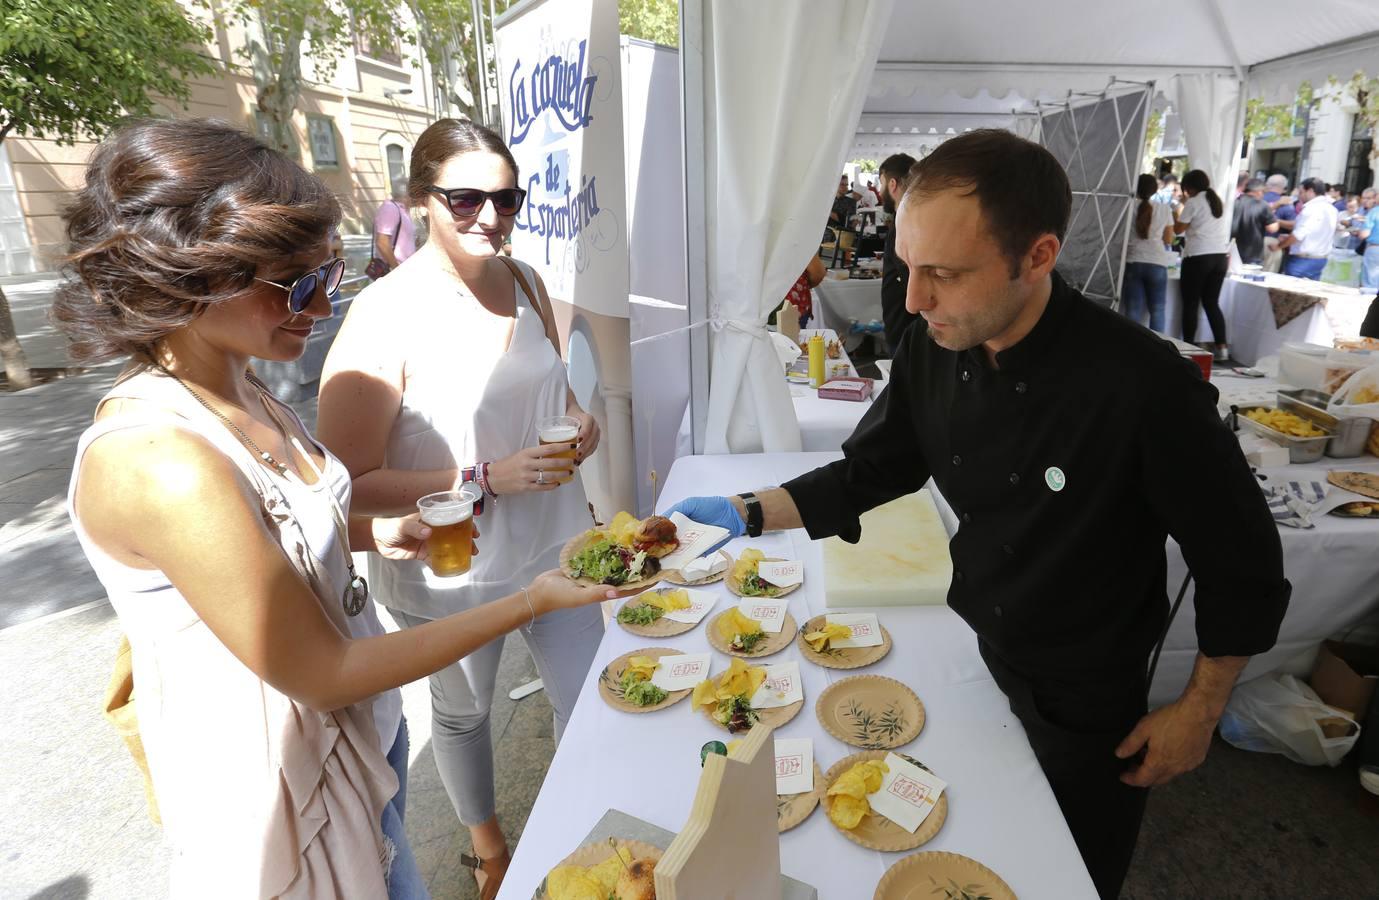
(575, 883)
(669, 601)
(705, 693)
(820, 639)
(848, 812)
(740, 680)
(734, 744)
(860, 780)
(607, 872)
(621, 529)
(735, 623)
(642, 667)
(746, 564)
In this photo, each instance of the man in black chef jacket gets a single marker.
(894, 274)
(1070, 443)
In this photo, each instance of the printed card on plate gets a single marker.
(907, 794)
(794, 765)
(681, 672)
(770, 613)
(700, 604)
(866, 630)
(782, 574)
(782, 687)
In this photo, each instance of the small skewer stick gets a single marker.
(613, 842)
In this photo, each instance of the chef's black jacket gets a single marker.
(895, 277)
(1068, 465)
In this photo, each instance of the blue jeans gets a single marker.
(1145, 283)
(1304, 267)
(404, 878)
(1369, 274)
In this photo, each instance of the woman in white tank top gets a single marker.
(440, 374)
(265, 685)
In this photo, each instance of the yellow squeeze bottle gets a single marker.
(816, 360)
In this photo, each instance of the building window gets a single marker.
(1358, 173)
(397, 169)
(320, 132)
(388, 50)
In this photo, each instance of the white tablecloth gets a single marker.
(838, 303)
(1001, 809)
(1250, 328)
(824, 423)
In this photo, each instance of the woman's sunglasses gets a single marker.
(301, 290)
(468, 201)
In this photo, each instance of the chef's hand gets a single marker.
(1175, 739)
(712, 511)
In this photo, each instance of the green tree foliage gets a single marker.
(657, 21)
(72, 69)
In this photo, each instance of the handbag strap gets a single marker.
(373, 234)
(543, 312)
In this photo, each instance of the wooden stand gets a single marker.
(729, 848)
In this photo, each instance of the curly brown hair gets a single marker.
(174, 217)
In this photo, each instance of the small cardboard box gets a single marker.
(1345, 675)
(855, 389)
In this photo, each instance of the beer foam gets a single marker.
(558, 434)
(447, 514)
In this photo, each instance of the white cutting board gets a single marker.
(902, 559)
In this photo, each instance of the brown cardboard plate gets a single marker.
(674, 576)
(774, 717)
(736, 587)
(771, 644)
(924, 875)
(870, 711)
(847, 657)
(576, 544)
(793, 809)
(875, 831)
(593, 854)
(612, 674)
(662, 627)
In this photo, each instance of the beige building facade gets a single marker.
(355, 128)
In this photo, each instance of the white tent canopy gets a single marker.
(943, 68)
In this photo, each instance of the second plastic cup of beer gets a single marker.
(450, 516)
(559, 430)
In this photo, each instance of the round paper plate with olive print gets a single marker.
(793, 809)
(736, 586)
(593, 854)
(938, 873)
(842, 657)
(875, 831)
(870, 711)
(769, 644)
(674, 576)
(661, 628)
(610, 682)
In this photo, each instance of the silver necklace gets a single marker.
(356, 595)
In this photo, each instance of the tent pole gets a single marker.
(696, 237)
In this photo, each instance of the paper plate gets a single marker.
(576, 544)
(662, 627)
(780, 592)
(792, 809)
(593, 854)
(938, 873)
(1366, 484)
(611, 675)
(870, 711)
(674, 576)
(845, 658)
(774, 717)
(772, 643)
(875, 831)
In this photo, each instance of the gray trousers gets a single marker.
(562, 643)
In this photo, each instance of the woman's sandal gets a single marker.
(493, 869)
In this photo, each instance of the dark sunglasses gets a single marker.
(468, 201)
(300, 290)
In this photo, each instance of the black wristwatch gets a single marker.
(755, 517)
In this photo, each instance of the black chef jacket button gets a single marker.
(967, 518)
(1020, 387)
(1009, 550)
(957, 460)
(997, 611)
(957, 575)
(1014, 478)
(966, 375)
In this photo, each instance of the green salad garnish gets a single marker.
(639, 692)
(745, 642)
(754, 585)
(736, 714)
(641, 614)
(608, 563)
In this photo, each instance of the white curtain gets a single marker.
(784, 83)
(1209, 106)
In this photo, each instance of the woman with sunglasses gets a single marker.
(440, 375)
(265, 684)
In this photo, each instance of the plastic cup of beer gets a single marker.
(450, 516)
(559, 430)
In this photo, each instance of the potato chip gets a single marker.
(607, 872)
(642, 667)
(733, 623)
(575, 883)
(746, 564)
(705, 693)
(622, 528)
(848, 812)
(820, 639)
(740, 680)
(669, 601)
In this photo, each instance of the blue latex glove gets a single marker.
(712, 511)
